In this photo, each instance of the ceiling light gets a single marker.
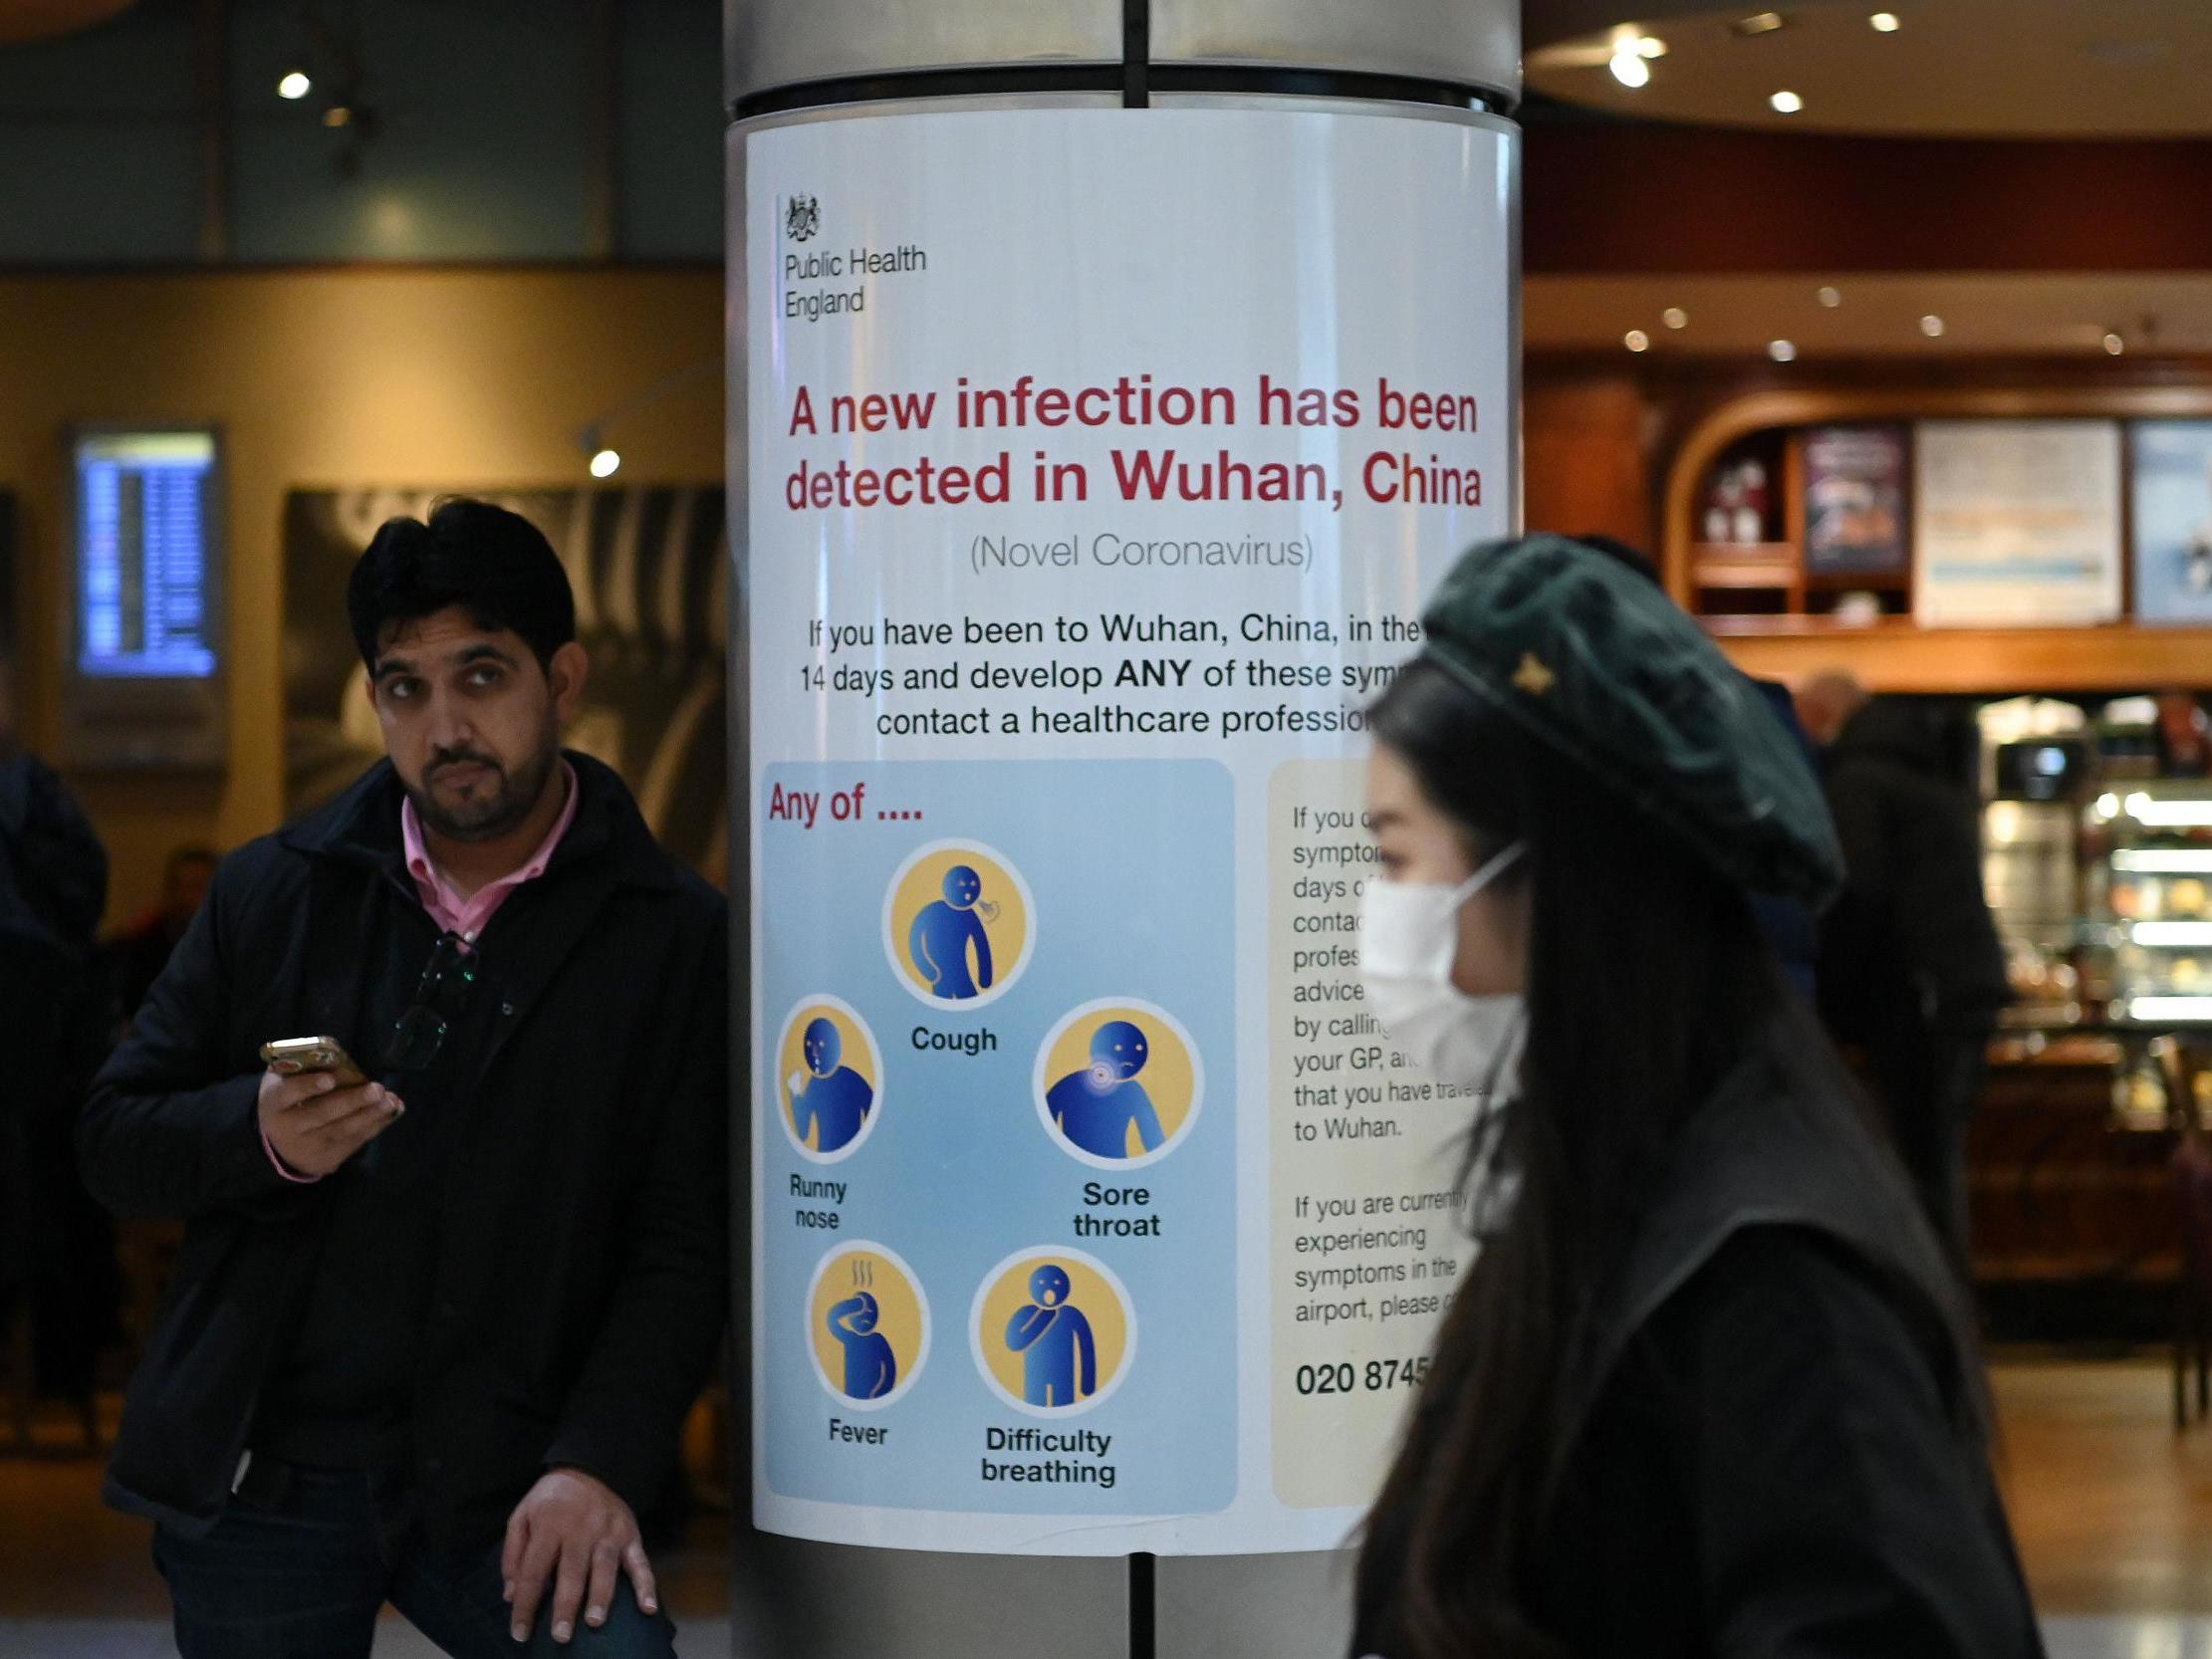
(1885, 23)
(604, 463)
(2115, 345)
(1830, 297)
(1650, 45)
(1674, 316)
(1637, 340)
(1782, 351)
(295, 85)
(338, 115)
(1933, 326)
(1786, 103)
(1630, 68)
(1760, 23)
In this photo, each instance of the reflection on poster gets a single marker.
(1854, 501)
(2173, 521)
(1092, 1213)
(2016, 522)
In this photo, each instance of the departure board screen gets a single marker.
(145, 554)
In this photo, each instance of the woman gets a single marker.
(1708, 1390)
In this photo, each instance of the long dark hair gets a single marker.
(1647, 980)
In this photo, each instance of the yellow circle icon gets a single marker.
(828, 1079)
(1119, 1083)
(868, 1326)
(958, 925)
(1053, 1332)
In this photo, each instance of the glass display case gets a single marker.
(2149, 879)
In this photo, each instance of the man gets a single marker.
(1912, 966)
(140, 953)
(57, 1247)
(1788, 925)
(433, 1335)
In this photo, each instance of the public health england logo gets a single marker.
(801, 218)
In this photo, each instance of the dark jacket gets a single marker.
(52, 869)
(1912, 940)
(1774, 1449)
(578, 1272)
(1787, 924)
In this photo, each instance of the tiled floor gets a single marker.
(2112, 1509)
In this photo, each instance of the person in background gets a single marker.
(1912, 968)
(139, 954)
(57, 1247)
(435, 1328)
(1790, 926)
(1709, 1387)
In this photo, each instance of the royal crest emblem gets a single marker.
(801, 218)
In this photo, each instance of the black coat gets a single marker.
(1911, 942)
(1773, 1450)
(581, 1261)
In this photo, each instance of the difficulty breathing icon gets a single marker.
(1059, 1357)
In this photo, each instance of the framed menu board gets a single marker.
(1854, 501)
(2172, 468)
(2016, 522)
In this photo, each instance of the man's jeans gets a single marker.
(307, 1581)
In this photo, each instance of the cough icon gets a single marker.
(958, 925)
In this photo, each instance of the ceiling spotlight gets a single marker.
(1760, 23)
(1650, 45)
(1831, 298)
(1786, 103)
(604, 463)
(1630, 68)
(1782, 351)
(1674, 316)
(1637, 340)
(2113, 345)
(294, 87)
(1885, 23)
(1933, 326)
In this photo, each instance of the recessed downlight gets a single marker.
(1786, 103)
(1782, 351)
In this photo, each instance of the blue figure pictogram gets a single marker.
(1059, 1357)
(947, 929)
(871, 1367)
(829, 1100)
(1097, 1106)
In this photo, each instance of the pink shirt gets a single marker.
(470, 916)
(467, 918)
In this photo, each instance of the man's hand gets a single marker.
(315, 1125)
(573, 1533)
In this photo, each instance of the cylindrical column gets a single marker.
(1109, 383)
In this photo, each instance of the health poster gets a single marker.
(1097, 464)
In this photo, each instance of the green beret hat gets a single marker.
(1595, 660)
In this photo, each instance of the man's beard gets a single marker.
(492, 814)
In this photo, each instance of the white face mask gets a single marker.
(1408, 940)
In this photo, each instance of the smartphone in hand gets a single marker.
(291, 1055)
